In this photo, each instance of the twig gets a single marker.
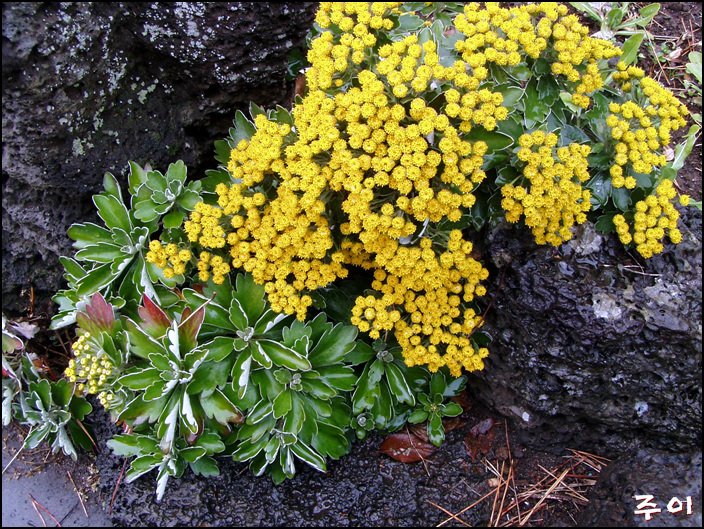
(15, 456)
(513, 473)
(545, 496)
(77, 493)
(453, 516)
(36, 504)
(467, 508)
(410, 440)
(114, 492)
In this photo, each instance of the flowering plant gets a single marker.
(422, 123)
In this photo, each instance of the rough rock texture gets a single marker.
(89, 86)
(594, 348)
(363, 489)
(659, 474)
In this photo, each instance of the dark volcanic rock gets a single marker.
(659, 474)
(594, 348)
(89, 86)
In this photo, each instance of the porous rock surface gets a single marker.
(662, 475)
(593, 347)
(89, 86)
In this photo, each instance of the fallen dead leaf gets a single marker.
(406, 448)
(479, 439)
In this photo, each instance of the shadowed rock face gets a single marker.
(659, 474)
(89, 86)
(592, 349)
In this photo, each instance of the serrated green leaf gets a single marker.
(113, 212)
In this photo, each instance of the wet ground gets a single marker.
(37, 488)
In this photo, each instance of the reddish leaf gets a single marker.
(155, 322)
(406, 447)
(420, 431)
(479, 439)
(98, 315)
(189, 328)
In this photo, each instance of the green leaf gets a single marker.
(284, 356)
(238, 317)
(536, 110)
(61, 392)
(436, 431)
(437, 384)
(125, 445)
(41, 390)
(621, 198)
(398, 385)
(99, 253)
(630, 48)
(260, 410)
(140, 380)
(206, 467)
(211, 442)
(331, 441)
(605, 223)
(247, 449)
(418, 416)
(260, 356)
(217, 406)
(111, 186)
(682, 150)
(141, 344)
(455, 386)
(306, 454)
(210, 375)
(241, 371)
(451, 409)
(250, 295)
(614, 17)
(333, 346)
(282, 404)
(221, 347)
(318, 389)
(87, 234)
(95, 280)
(338, 377)
(113, 212)
(295, 417)
(192, 453)
(570, 134)
(495, 141)
(141, 466)
(136, 177)
(80, 407)
(173, 219)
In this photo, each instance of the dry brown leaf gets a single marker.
(479, 439)
(406, 447)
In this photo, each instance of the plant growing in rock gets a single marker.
(421, 125)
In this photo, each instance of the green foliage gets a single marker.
(53, 412)
(200, 359)
(111, 258)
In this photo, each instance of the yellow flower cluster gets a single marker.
(90, 367)
(429, 284)
(507, 36)
(379, 155)
(653, 218)
(555, 199)
(359, 21)
(215, 264)
(170, 258)
(642, 131)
